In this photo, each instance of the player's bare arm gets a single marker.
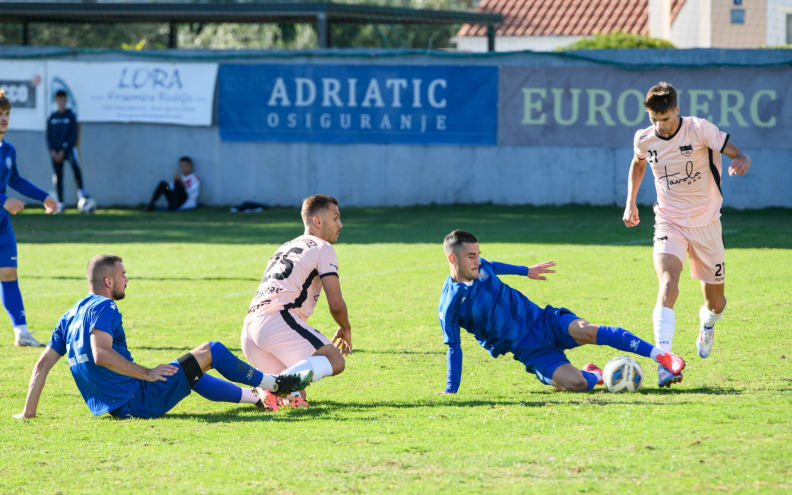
(43, 366)
(740, 161)
(637, 171)
(338, 309)
(105, 355)
(536, 271)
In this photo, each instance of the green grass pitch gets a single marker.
(379, 427)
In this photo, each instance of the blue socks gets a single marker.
(12, 301)
(621, 339)
(232, 367)
(217, 390)
(591, 378)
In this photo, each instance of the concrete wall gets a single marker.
(123, 162)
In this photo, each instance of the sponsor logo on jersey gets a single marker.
(483, 275)
(686, 150)
(334, 266)
(642, 138)
(8, 161)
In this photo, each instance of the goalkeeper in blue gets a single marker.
(503, 320)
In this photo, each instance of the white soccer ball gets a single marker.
(623, 374)
(86, 205)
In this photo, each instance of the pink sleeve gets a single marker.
(328, 261)
(637, 142)
(710, 136)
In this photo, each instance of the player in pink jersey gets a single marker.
(685, 156)
(275, 334)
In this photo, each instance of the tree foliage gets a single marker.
(617, 39)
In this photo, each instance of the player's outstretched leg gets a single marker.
(595, 370)
(706, 337)
(670, 365)
(236, 370)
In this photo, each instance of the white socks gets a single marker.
(268, 381)
(319, 364)
(707, 317)
(248, 397)
(21, 330)
(664, 321)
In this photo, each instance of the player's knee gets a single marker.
(338, 363)
(576, 383)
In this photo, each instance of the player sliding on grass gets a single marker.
(275, 335)
(9, 176)
(503, 320)
(92, 337)
(685, 156)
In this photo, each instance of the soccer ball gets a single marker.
(623, 374)
(86, 205)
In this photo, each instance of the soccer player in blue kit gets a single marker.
(9, 176)
(503, 320)
(92, 337)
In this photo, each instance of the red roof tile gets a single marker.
(567, 17)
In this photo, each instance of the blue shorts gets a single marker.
(542, 351)
(8, 249)
(154, 399)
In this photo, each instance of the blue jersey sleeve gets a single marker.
(506, 269)
(102, 316)
(454, 374)
(58, 339)
(22, 185)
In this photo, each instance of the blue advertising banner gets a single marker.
(603, 106)
(358, 103)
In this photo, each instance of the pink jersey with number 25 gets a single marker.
(293, 277)
(687, 171)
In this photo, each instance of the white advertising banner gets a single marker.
(162, 93)
(23, 85)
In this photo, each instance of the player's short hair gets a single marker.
(453, 242)
(186, 159)
(661, 98)
(312, 205)
(60, 94)
(101, 266)
(5, 103)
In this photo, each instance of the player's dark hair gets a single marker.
(186, 159)
(5, 103)
(312, 205)
(453, 242)
(60, 93)
(101, 266)
(661, 98)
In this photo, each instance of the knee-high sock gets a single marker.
(217, 390)
(708, 318)
(12, 301)
(236, 370)
(664, 321)
(319, 364)
(621, 339)
(591, 378)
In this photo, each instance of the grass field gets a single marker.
(379, 427)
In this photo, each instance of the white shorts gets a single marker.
(704, 246)
(279, 340)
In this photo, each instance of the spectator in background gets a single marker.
(62, 133)
(182, 192)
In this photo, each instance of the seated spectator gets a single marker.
(182, 192)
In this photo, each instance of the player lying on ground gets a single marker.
(275, 335)
(685, 156)
(503, 320)
(92, 337)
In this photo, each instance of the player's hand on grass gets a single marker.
(343, 340)
(630, 216)
(161, 372)
(51, 205)
(535, 272)
(740, 165)
(13, 205)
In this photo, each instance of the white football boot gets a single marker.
(665, 378)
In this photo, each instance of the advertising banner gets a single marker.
(358, 103)
(23, 85)
(603, 106)
(162, 93)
